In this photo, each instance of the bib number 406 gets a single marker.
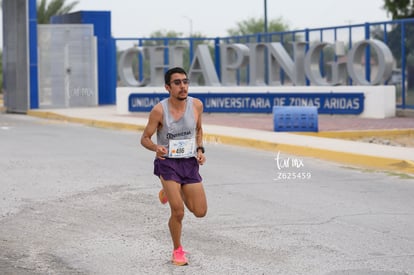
(182, 148)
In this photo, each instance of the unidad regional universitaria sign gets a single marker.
(327, 103)
(225, 95)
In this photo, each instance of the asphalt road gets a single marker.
(81, 200)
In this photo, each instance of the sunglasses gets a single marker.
(177, 82)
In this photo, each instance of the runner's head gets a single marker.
(176, 83)
(170, 72)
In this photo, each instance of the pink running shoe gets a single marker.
(162, 196)
(178, 257)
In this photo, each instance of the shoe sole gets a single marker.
(179, 264)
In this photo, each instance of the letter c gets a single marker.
(125, 71)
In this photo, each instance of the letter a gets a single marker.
(202, 66)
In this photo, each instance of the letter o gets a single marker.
(385, 62)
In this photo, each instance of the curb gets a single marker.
(360, 134)
(351, 159)
(88, 122)
(2, 107)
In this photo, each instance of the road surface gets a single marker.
(83, 200)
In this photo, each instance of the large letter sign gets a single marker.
(305, 64)
(280, 59)
(385, 61)
(202, 67)
(233, 57)
(125, 71)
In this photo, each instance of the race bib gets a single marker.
(181, 148)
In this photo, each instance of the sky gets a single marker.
(212, 18)
(132, 18)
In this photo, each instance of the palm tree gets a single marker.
(55, 7)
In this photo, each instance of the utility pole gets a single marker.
(267, 40)
(265, 17)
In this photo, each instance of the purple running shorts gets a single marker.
(181, 170)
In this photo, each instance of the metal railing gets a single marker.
(395, 34)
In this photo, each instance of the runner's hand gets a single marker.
(160, 152)
(201, 158)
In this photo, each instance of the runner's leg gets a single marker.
(173, 192)
(195, 198)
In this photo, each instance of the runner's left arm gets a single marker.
(199, 132)
(199, 128)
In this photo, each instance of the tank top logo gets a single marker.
(181, 134)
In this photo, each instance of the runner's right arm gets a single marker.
(154, 122)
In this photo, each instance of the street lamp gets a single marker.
(190, 21)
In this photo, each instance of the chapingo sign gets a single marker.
(327, 103)
(302, 66)
(367, 97)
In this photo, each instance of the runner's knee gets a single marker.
(200, 212)
(177, 213)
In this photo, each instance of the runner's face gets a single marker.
(178, 86)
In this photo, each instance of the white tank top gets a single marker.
(178, 136)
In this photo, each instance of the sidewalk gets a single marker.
(256, 130)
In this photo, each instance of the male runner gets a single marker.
(178, 153)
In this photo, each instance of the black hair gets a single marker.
(170, 72)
